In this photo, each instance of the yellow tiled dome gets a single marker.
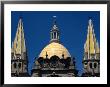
(55, 49)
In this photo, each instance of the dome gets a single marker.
(54, 49)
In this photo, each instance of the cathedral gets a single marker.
(54, 60)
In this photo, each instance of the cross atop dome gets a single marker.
(54, 20)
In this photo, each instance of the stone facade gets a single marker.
(54, 67)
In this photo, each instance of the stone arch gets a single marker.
(95, 65)
(19, 65)
(15, 65)
(90, 65)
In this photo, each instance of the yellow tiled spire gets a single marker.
(91, 46)
(18, 46)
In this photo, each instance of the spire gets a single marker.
(54, 31)
(90, 47)
(19, 52)
(19, 42)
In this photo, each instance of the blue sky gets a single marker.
(72, 25)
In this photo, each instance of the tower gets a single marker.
(91, 60)
(54, 60)
(19, 60)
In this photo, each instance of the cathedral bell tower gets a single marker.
(19, 63)
(54, 34)
(91, 59)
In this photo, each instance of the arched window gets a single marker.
(90, 65)
(19, 65)
(14, 65)
(95, 65)
(54, 35)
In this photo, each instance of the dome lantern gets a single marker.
(54, 33)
